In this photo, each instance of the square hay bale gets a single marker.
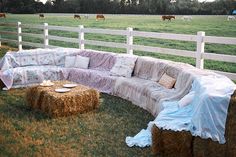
(170, 143)
(79, 100)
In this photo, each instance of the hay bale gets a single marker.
(1, 84)
(170, 143)
(209, 148)
(79, 100)
(231, 127)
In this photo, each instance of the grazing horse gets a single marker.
(167, 17)
(230, 18)
(41, 15)
(3, 15)
(100, 16)
(77, 16)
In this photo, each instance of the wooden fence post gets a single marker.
(129, 40)
(200, 50)
(81, 37)
(19, 36)
(45, 32)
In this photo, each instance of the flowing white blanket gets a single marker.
(204, 116)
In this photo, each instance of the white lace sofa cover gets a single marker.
(30, 67)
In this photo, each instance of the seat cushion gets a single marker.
(143, 93)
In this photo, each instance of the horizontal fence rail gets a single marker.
(106, 44)
(200, 39)
(175, 52)
(104, 31)
(32, 26)
(169, 36)
(65, 39)
(220, 40)
(63, 28)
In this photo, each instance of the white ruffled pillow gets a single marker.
(124, 66)
(81, 62)
(187, 99)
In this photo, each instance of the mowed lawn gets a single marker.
(212, 25)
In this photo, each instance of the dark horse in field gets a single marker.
(77, 16)
(3, 15)
(100, 16)
(167, 17)
(41, 15)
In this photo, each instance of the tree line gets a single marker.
(218, 7)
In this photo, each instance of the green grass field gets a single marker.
(212, 25)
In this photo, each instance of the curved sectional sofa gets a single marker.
(135, 78)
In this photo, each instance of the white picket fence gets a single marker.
(200, 40)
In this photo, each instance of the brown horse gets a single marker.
(100, 16)
(167, 17)
(77, 16)
(41, 15)
(3, 15)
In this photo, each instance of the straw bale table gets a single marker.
(79, 99)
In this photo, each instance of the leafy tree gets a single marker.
(119, 6)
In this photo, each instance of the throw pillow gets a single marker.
(81, 62)
(70, 61)
(124, 66)
(167, 81)
(187, 99)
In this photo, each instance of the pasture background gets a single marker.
(212, 25)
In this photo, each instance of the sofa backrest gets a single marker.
(37, 57)
(153, 69)
(99, 60)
